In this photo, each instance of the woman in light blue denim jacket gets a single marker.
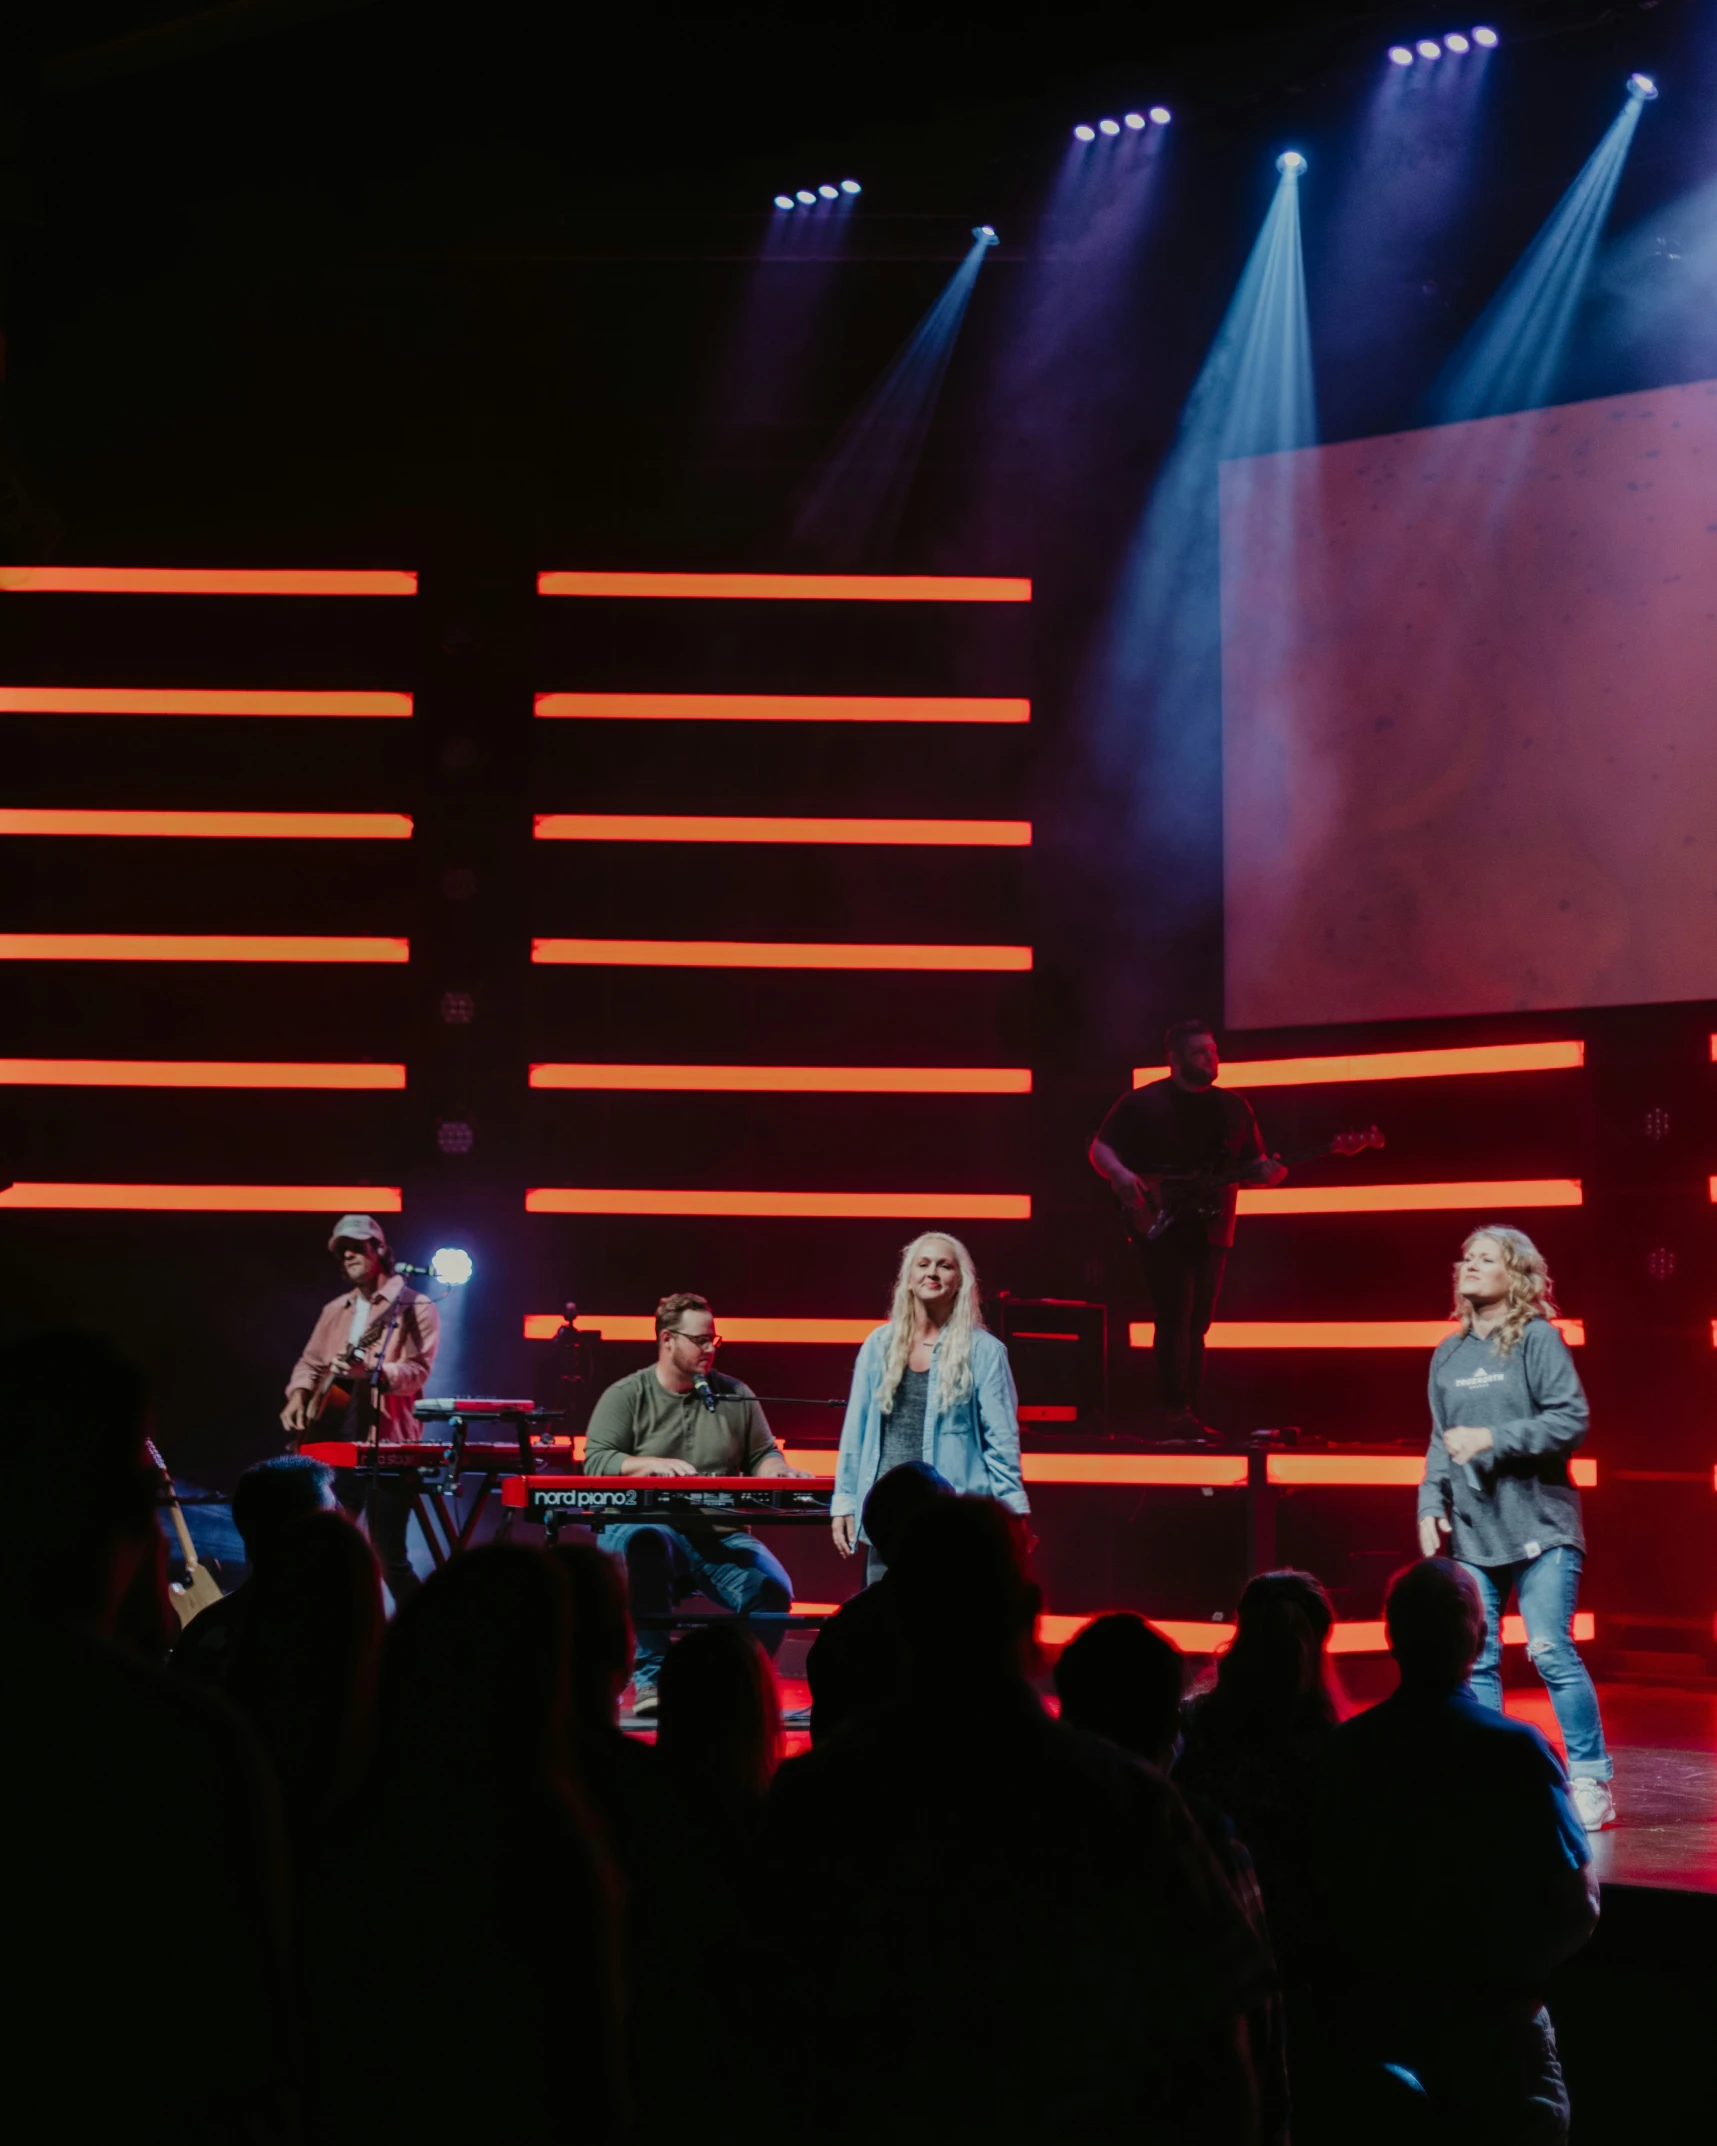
(932, 1385)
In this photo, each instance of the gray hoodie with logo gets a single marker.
(1516, 1500)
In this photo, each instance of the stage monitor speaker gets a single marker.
(1059, 1349)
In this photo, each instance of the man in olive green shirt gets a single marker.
(673, 1418)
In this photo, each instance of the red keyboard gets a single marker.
(629, 1497)
(390, 1459)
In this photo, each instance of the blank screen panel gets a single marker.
(1469, 761)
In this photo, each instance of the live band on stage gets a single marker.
(679, 1464)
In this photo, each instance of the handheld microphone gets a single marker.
(704, 1390)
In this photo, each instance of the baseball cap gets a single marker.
(356, 1228)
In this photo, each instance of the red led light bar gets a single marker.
(629, 1326)
(851, 1206)
(1355, 1637)
(818, 588)
(191, 1073)
(192, 946)
(793, 1080)
(772, 954)
(1488, 1193)
(1390, 1065)
(700, 827)
(775, 708)
(1378, 1470)
(212, 1199)
(223, 826)
(187, 700)
(1333, 1333)
(204, 581)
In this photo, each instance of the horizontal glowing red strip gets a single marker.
(775, 708)
(205, 581)
(1390, 1065)
(1333, 1333)
(794, 1080)
(878, 1206)
(1355, 1637)
(225, 826)
(1410, 1199)
(772, 954)
(820, 588)
(699, 827)
(190, 1073)
(185, 700)
(212, 1199)
(628, 1326)
(1310, 1470)
(191, 946)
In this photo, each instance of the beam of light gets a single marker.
(1392, 1065)
(194, 946)
(193, 700)
(1513, 355)
(191, 1073)
(786, 1080)
(209, 826)
(202, 581)
(210, 1199)
(1333, 1333)
(775, 954)
(696, 827)
(853, 508)
(1157, 695)
(1489, 1194)
(774, 708)
(804, 588)
(839, 1206)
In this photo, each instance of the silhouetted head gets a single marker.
(894, 1500)
(1274, 1671)
(1436, 1620)
(476, 1677)
(1121, 1680)
(601, 1631)
(75, 1415)
(274, 1492)
(966, 1603)
(719, 1724)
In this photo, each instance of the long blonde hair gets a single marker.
(1529, 1286)
(954, 1350)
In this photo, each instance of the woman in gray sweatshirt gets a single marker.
(1507, 1413)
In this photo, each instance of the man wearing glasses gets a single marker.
(673, 1418)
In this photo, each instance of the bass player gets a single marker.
(1154, 1147)
(377, 1313)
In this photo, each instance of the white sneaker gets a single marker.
(1595, 1804)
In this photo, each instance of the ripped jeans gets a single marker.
(1548, 1587)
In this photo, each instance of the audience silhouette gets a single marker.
(264, 1500)
(856, 1664)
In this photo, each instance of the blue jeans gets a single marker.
(1548, 1587)
(663, 1567)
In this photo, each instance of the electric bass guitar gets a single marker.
(199, 1587)
(1198, 1195)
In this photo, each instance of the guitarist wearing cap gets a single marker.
(330, 1385)
(1153, 1147)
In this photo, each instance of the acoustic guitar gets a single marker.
(199, 1587)
(1198, 1195)
(331, 1396)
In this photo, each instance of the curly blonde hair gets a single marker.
(954, 1350)
(1529, 1287)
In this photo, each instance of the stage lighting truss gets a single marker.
(808, 197)
(1157, 115)
(1430, 49)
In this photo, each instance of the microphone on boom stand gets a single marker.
(705, 1392)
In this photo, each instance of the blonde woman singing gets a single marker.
(1507, 1412)
(934, 1386)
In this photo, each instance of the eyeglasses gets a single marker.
(698, 1341)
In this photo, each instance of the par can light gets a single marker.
(1135, 120)
(1484, 37)
(1455, 42)
(1429, 49)
(851, 186)
(783, 201)
(451, 1267)
(1290, 163)
(806, 196)
(1083, 133)
(1642, 87)
(1401, 55)
(1108, 126)
(987, 232)
(1159, 115)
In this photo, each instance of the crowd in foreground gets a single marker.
(314, 1876)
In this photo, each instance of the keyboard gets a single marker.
(620, 1498)
(395, 1459)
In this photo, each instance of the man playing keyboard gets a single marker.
(674, 1418)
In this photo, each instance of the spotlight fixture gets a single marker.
(987, 232)
(1401, 55)
(1159, 115)
(783, 201)
(1484, 37)
(829, 193)
(1290, 163)
(1108, 126)
(451, 1267)
(1455, 42)
(1429, 49)
(1135, 120)
(1642, 87)
(1083, 133)
(851, 186)
(805, 196)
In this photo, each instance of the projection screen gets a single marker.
(1469, 716)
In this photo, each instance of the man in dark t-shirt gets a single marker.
(1151, 1137)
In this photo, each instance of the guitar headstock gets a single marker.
(1356, 1140)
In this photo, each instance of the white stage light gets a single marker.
(1643, 87)
(1401, 55)
(1484, 37)
(451, 1267)
(1290, 163)
(1135, 120)
(1084, 134)
(1429, 49)
(1455, 42)
(1159, 115)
